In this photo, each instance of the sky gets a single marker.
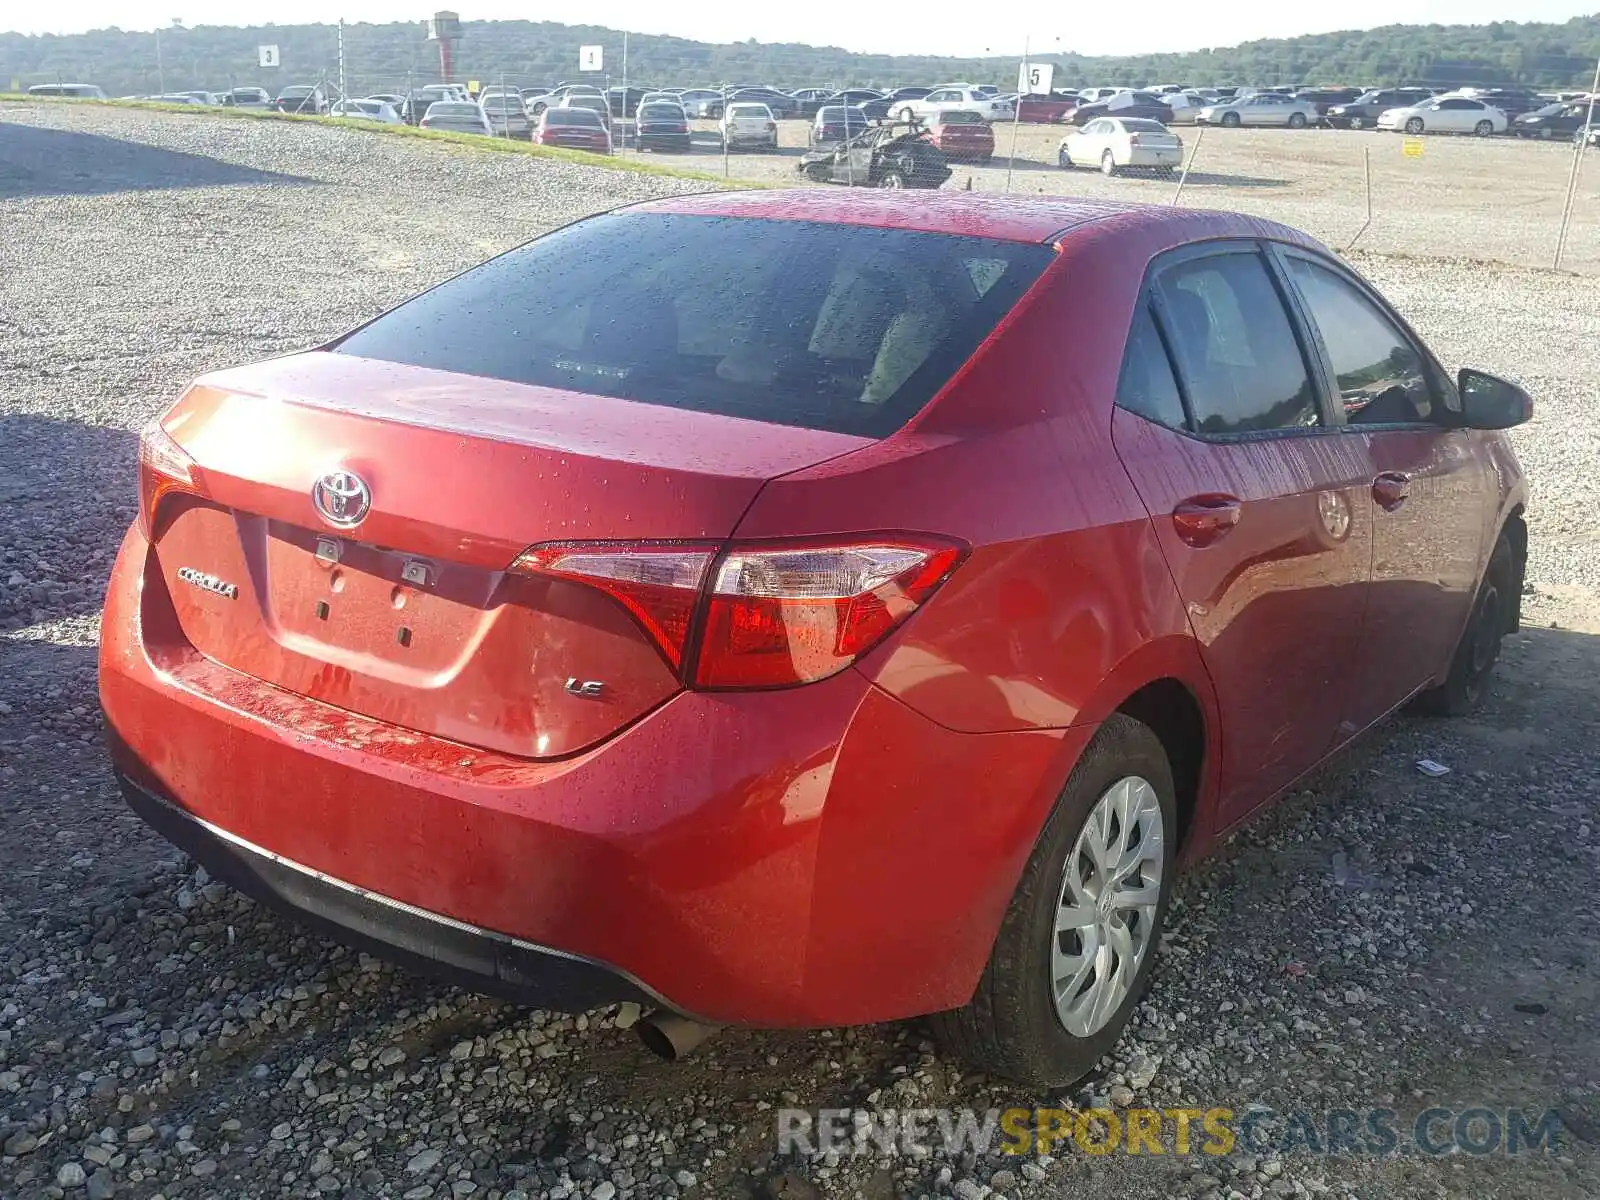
(884, 26)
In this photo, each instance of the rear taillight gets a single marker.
(781, 615)
(659, 584)
(760, 614)
(163, 467)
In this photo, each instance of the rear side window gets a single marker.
(1235, 347)
(836, 327)
(1147, 386)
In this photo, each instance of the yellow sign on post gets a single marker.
(474, 86)
(1411, 147)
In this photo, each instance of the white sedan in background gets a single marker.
(953, 98)
(748, 124)
(371, 109)
(1445, 114)
(1115, 143)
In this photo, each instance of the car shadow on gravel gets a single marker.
(61, 162)
(67, 493)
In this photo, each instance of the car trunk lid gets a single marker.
(412, 616)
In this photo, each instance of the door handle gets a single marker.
(1202, 520)
(1390, 489)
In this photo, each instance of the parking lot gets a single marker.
(1498, 198)
(1380, 939)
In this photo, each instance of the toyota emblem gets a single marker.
(342, 498)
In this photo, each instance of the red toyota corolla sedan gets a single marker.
(791, 609)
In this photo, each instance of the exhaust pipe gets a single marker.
(671, 1037)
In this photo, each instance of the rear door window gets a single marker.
(1147, 386)
(837, 327)
(1236, 349)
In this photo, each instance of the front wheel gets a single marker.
(1493, 614)
(1414, 126)
(1483, 128)
(1356, 122)
(1108, 163)
(1230, 120)
(1064, 159)
(1297, 120)
(1078, 941)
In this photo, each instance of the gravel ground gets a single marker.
(1380, 939)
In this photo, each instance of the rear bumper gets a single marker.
(427, 942)
(1149, 156)
(821, 855)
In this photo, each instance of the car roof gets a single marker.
(977, 214)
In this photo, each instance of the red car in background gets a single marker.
(574, 128)
(962, 136)
(1045, 109)
(749, 604)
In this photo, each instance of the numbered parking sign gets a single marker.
(591, 58)
(267, 56)
(1411, 147)
(1035, 79)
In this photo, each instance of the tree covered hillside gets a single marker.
(386, 57)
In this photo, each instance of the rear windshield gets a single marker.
(960, 116)
(572, 116)
(1140, 125)
(661, 112)
(444, 108)
(835, 327)
(749, 110)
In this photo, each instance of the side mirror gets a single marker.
(1489, 402)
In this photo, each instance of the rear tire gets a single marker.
(1493, 611)
(892, 179)
(1486, 128)
(1297, 120)
(1012, 1026)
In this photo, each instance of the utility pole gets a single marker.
(161, 72)
(343, 94)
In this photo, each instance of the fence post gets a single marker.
(1577, 165)
(1366, 162)
(1187, 163)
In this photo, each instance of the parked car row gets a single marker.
(509, 111)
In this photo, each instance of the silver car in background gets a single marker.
(508, 114)
(1263, 108)
(457, 116)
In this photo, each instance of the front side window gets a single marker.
(1379, 373)
(826, 326)
(1235, 346)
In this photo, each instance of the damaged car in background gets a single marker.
(893, 155)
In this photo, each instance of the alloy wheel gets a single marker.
(1110, 893)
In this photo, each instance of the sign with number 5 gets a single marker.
(1035, 79)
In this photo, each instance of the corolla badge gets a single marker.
(342, 498)
(209, 583)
